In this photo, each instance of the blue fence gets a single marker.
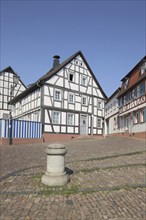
(21, 129)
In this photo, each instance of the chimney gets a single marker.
(56, 61)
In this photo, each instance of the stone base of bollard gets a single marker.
(55, 180)
(55, 174)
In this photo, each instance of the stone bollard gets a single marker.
(55, 174)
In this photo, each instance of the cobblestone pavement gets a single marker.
(107, 181)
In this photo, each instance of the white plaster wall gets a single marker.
(74, 86)
(70, 129)
(76, 119)
(56, 129)
(48, 128)
(63, 129)
(139, 127)
(63, 118)
(47, 120)
(57, 104)
(78, 107)
(47, 101)
(65, 104)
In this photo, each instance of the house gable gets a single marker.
(76, 75)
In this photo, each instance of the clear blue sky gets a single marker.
(110, 34)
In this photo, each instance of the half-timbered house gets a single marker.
(132, 101)
(8, 90)
(112, 114)
(68, 100)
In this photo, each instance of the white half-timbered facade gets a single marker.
(8, 90)
(67, 100)
(112, 114)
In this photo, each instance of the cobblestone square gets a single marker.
(107, 181)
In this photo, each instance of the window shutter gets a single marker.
(142, 88)
(138, 116)
(144, 115)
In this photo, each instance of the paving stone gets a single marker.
(107, 182)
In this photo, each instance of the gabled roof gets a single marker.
(134, 68)
(52, 72)
(114, 94)
(9, 69)
(133, 78)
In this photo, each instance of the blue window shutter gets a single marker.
(135, 92)
(142, 88)
(138, 116)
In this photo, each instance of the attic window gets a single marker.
(83, 81)
(71, 77)
(143, 68)
(126, 83)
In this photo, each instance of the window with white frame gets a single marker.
(57, 94)
(99, 122)
(136, 117)
(115, 123)
(83, 81)
(70, 118)
(56, 117)
(84, 100)
(142, 115)
(71, 98)
(99, 104)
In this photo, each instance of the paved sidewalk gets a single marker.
(107, 181)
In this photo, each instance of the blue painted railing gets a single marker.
(21, 129)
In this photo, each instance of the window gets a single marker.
(71, 77)
(126, 83)
(114, 105)
(141, 88)
(57, 95)
(115, 123)
(99, 104)
(127, 97)
(70, 117)
(106, 111)
(56, 117)
(71, 97)
(143, 68)
(84, 100)
(83, 81)
(111, 107)
(136, 117)
(134, 93)
(142, 115)
(99, 122)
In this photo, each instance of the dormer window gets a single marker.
(143, 68)
(126, 83)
